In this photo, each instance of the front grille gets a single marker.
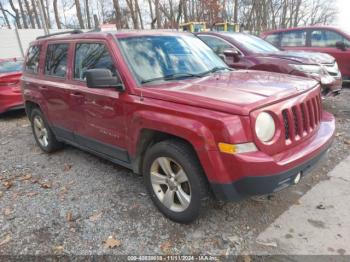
(300, 120)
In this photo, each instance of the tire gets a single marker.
(179, 199)
(42, 132)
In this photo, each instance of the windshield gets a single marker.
(159, 57)
(253, 44)
(11, 66)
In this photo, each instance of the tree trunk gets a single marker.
(29, 12)
(37, 19)
(57, 18)
(133, 13)
(118, 14)
(18, 23)
(139, 12)
(235, 12)
(5, 16)
(46, 19)
(48, 13)
(79, 15)
(159, 22)
(88, 18)
(24, 18)
(151, 13)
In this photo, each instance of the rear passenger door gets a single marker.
(56, 91)
(101, 122)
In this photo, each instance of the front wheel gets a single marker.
(175, 180)
(43, 134)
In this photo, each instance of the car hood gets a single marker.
(237, 92)
(301, 57)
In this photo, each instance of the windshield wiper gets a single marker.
(215, 69)
(171, 77)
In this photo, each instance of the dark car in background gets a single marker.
(244, 51)
(326, 39)
(10, 90)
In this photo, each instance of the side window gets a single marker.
(216, 44)
(325, 38)
(32, 62)
(90, 56)
(294, 38)
(273, 39)
(56, 60)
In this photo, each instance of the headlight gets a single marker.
(315, 70)
(265, 127)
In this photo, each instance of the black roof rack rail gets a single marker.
(75, 31)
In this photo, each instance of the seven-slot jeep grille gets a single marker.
(302, 119)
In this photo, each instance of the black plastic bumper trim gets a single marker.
(262, 185)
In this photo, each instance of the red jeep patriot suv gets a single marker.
(167, 107)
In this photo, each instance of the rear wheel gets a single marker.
(43, 135)
(175, 180)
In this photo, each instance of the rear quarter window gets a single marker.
(56, 60)
(32, 61)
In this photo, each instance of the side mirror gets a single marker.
(102, 78)
(340, 45)
(232, 53)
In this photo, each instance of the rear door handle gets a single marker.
(42, 87)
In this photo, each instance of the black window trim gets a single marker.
(44, 66)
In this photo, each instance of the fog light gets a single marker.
(297, 178)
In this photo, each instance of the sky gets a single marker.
(343, 20)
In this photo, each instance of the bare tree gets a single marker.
(29, 12)
(37, 19)
(57, 17)
(16, 16)
(5, 16)
(79, 15)
(118, 14)
(88, 18)
(23, 15)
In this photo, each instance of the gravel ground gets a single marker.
(71, 202)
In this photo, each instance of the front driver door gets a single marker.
(102, 122)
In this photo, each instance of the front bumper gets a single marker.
(258, 174)
(250, 186)
(10, 98)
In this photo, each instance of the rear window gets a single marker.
(11, 66)
(32, 62)
(56, 60)
(294, 38)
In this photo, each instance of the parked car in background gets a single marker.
(10, 90)
(244, 51)
(166, 106)
(330, 40)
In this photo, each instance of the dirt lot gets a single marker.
(70, 202)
